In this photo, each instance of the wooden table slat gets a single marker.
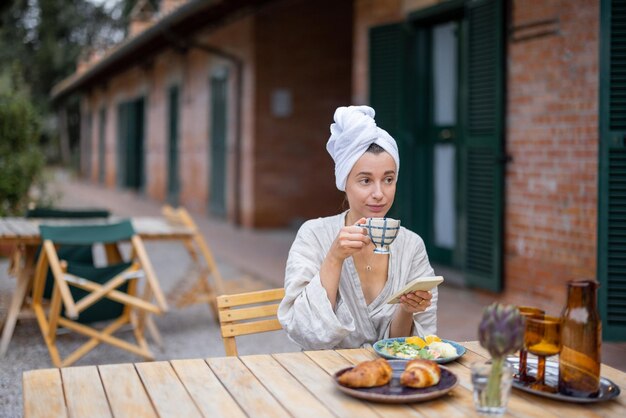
(43, 394)
(127, 395)
(318, 383)
(292, 395)
(358, 355)
(286, 384)
(245, 388)
(166, 391)
(207, 391)
(84, 393)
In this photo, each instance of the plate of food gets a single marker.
(608, 389)
(396, 381)
(430, 347)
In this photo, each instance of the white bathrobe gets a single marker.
(306, 313)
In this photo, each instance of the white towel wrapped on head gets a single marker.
(352, 133)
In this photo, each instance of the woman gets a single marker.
(335, 285)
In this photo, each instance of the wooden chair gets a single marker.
(248, 313)
(83, 294)
(198, 287)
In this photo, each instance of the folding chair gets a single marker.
(201, 290)
(23, 260)
(83, 294)
(248, 313)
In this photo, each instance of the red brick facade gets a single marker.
(318, 53)
(285, 174)
(552, 135)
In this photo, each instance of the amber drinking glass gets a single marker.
(542, 337)
(522, 373)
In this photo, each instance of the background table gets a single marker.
(24, 234)
(277, 385)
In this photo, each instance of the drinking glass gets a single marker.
(542, 337)
(522, 373)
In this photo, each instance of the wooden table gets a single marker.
(277, 385)
(24, 233)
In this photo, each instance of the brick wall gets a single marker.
(305, 50)
(190, 71)
(552, 135)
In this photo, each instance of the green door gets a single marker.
(173, 180)
(439, 83)
(131, 144)
(612, 193)
(217, 179)
(101, 144)
(443, 138)
(123, 112)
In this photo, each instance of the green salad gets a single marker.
(409, 351)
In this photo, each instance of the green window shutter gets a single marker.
(122, 140)
(482, 156)
(390, 47)
(101, 144)
(219, 134)
(131, 146)
(173, 182)
(612, 175)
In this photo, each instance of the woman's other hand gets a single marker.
(350, 240)
(415, 302)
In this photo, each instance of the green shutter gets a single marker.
(122, 140)
(173, 182)
(482, 154)
(217, 181)
(131, 146)
(140, 154)
(101, 144)
(390, 52)
(612, 175)
(130, 149)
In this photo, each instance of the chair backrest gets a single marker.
(67, 213)
(248, 313)
(87, 234)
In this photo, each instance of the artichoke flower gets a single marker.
(501, 332)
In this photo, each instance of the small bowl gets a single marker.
(382, 231)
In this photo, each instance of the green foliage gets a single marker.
(43, 39)
(21, 161)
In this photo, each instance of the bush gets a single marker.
(21, 161)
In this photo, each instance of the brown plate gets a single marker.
(394, 392)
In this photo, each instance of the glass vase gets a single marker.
(492, 386)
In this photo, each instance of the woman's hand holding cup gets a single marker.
(350, 240)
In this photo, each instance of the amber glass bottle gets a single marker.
(581, 337)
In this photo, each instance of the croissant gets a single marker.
(367, 374)
(420, 374)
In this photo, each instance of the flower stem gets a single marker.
(493, 384)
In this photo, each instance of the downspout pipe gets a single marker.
(186, 44)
